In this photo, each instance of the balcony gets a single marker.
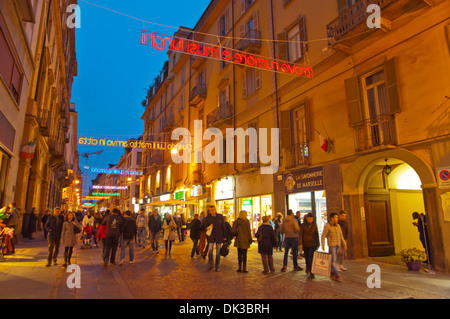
(56, 147)
(197, 95)
(44, 122)
(251, 42)
(157, 157)
(296, 156)
(168, 123)
(376, 133)
(221, 115)
(351, 22)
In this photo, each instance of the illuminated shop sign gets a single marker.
(188, 46)
(108, 187)
(115, 171)
(106, 194)
(307, 180)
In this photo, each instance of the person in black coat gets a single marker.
(54, 227)
(266, 243)
(215, 224)
(195, 235)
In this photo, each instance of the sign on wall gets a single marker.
(306, 180)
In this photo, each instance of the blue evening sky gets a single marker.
(114, 69)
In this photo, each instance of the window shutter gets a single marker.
(255, 20)
(392, 87)
(258, 78)
(303, 34)
(242, 7)
(282, 46)
(286, 129)
(241, 31)
(244, 84)
(354, 100)
(309, 134)
(226, 21)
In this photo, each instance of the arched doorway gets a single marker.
(357, 174)
(392, 192)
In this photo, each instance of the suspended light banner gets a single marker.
(108, 187)
(115, 171)
(207, 50)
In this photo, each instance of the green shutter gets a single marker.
(282, 46)
(309, 135)
(286, 129)
(353, 100)
(303, 35)
(392, 87)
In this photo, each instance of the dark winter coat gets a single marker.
(309, 235)
(244, 236)
(54, 226)
(114, 225)
(268, 240)
(218, 232)
(129, 228)
(154, 224)
(195, 229)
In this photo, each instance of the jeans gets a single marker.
(267, 261)
(142, 235)
(154, 240)
(309, 256)
(111, 248)
(130, 244)
(195, 247)
(290, 242)
(211, 252)
(334, 255)
(53, 248)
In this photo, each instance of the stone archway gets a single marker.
(354, 178)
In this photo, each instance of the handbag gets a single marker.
(321, 264)
(225, 249)
(235, 229)
(76, 230)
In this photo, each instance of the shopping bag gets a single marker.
(321, 264)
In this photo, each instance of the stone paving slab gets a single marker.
(24, 276)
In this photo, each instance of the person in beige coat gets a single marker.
(333, 233)
(68, 236)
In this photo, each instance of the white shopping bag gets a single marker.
(321, 264)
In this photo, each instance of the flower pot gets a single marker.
(414, 265)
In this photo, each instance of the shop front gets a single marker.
(224, 198)
(257, 207)
(200, 196)
(305, 193)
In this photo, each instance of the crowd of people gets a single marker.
(209, 232)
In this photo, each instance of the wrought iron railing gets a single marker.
(221, 113)
(375, 132)
(296, 156)
(352, 17)
(252, 37)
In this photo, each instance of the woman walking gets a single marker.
(169, 227)
(68, 236)
(309, 241)
(266, 243)
(243, 239)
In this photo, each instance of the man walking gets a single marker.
(290, 229)
(333, 233)
(114, 228)
(54, 227)
(129, 235)
(155, 226)
(214, 224)
(141, 224)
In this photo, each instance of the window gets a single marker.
(223, 96)
(245, 4)
(373, 99)
(292, 44)
(182, 76)
(251, 81)
(4, 168)
(222, 24)
(9, 67)
(181, 107)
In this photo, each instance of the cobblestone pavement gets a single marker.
(25, 276)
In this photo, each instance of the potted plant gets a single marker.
(413, 258)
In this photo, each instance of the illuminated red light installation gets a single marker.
(165, 42)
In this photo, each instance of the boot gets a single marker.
(244, 263)
(66, 257)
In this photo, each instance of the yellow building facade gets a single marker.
(378, 95)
